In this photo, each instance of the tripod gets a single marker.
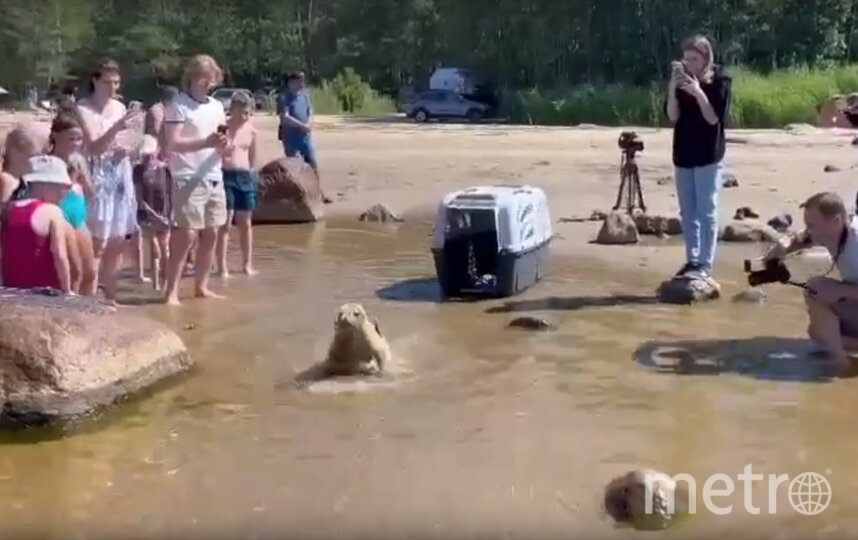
(630, 183)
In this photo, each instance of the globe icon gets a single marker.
(809, 493)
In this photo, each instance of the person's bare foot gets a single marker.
(223, 274)
(172, 300)
(208, 293)
(143, 279)
(249, 271)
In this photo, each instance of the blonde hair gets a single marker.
(702, 46)
(26, 134)
(201, 64)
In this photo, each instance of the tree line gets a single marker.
(518, 44)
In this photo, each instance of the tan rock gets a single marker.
(618, 228)
(379, 213)
(748, 230)
(645, 499)
(658, 225)
(62, 356)
(289, 192)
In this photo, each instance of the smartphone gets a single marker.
(678, 69)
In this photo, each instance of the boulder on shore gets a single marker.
(748, 230)
(289, 192)
(618, 228)
(62, 357)
(683, 290)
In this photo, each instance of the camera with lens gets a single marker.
(773, 271)
(630, 142)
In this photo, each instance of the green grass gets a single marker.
(759, 101)
(326, 101)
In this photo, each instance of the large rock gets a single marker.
(618, 228)
(748, 230)
(379, 213)
(289, 192)
(648, 224)
(684, 290)
(61, 357)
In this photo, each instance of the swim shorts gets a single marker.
(240, 188)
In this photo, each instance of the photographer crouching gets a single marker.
(832, 304)
(698, 99)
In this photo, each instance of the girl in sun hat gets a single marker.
(33, 230)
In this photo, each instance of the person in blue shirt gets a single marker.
(296, 121)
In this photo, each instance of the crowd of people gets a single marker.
(108, 178)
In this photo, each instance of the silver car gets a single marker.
(443, 104)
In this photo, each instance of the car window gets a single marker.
(222, 93)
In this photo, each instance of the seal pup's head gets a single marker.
(350, 316)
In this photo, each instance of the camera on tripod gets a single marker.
(773, 271)
(630, 142)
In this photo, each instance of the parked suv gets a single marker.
(443, 104)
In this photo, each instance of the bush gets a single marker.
(759, 101)
(345, 94)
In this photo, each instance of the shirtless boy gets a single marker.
(239, 182)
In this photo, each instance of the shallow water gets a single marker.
(498, 433)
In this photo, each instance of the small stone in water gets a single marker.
(751, 296)
(531, 323)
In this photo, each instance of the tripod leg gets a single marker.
(640, 192)
(622, 188)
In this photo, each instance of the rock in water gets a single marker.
(618, 228)
(531, 323)
(658, 225)
(62, 356)
(750, 296)
(730, 181)
(289, 192)
(781, 223)
(685, 291)
(748, 231)
(379, 213)
(645, 499)
(597, 215)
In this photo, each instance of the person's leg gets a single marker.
(824, 329)
(162, 239)
(154, 258)
(87, 259)
(110, 265)
(223, 233)
(243, 222)
(188, 198)
(687, 197)
(707, 184)
(136, 246)
(214, 217)
(308, 152)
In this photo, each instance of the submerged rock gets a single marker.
(289, 192)
(686, 290)
(531, 323)
(750, 296)
(745, 212)
(618, 228)
(645, 499)
(730, 181)
(379, 213)
(658, 225)
(62, 356)
(781, 223)
(748, 230)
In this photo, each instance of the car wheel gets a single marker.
(421, 115)
(474, 115)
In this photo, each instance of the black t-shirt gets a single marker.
(696, 142)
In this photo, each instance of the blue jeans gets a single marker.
(697, 190)
(302, 147)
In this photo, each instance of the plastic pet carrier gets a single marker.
(491, 240)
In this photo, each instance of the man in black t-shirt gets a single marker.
(698, 101)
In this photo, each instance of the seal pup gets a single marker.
(358, 347)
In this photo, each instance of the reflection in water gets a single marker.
(498, 433)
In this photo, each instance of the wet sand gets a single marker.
(502, 433)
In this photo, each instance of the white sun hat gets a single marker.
(47, 170)
(149, 146)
